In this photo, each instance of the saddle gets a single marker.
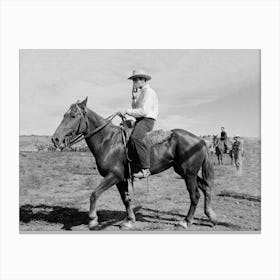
(127, 127)
(152, 138)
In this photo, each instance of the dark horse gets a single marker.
(185, 152)
(219, 146)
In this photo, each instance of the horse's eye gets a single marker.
(73, 116)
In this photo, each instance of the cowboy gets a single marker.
(145, 111)
(238, 150)
(224, 138)
(237, 144)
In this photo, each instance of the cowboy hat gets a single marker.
(139, 74)
(236, 136)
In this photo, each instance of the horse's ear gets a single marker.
(83, 104)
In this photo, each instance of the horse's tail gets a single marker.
(206, 184)
(207, 168)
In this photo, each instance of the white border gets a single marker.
(200, 24)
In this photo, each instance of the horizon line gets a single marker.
(246, 136)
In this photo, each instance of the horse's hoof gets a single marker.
(183, 224)
(126, 225)
(93, 224)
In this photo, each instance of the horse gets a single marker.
(237, 155)
(210, 146)
(219, 148)
(183, 151)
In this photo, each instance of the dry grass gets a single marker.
(55, 188)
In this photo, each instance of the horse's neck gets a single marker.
(94, 119)
(96, 142)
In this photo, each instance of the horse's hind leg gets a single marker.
(191, 182)
(206, 189)
(123, 190)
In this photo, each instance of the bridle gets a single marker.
(85, 134)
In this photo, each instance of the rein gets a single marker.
(81, 137)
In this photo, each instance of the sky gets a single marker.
(198, 90)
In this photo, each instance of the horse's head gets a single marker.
(215, 140)
(74, 123)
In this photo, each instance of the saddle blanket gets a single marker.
(152, 138)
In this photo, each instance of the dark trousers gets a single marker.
(142, 126)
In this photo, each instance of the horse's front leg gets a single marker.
(105, 184)
(219, 159)
(130, 219)
(231, 157)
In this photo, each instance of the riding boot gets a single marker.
(144, 173)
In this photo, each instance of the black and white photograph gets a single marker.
(140, 140)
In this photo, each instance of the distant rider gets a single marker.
(237, 144)
(224, 138)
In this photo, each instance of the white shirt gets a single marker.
(144, 104)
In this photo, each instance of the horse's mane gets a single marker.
(91, 113)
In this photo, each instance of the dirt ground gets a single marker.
(55, 188)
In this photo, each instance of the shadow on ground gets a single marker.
(70, 217)
(155, 215)
(67, 216)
